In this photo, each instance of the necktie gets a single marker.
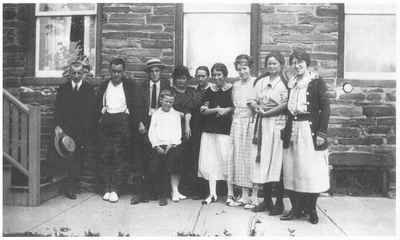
(154, 96)
(76, 88)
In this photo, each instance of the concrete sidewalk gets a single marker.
(89, 214)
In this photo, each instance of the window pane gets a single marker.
(370, 43)
(56, 7)
(211, 38)
(62, 39)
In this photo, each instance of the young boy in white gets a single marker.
(165, 135)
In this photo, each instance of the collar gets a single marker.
(157, 84)
(294, 82)
(79, 84)
(226, 87)
(110, 84)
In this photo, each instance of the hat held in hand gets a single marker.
(65, 145)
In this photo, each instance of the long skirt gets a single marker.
(304, 168)
(270, 166)
(215, 151)
(244, 152)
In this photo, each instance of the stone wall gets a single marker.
(136, 33)
(15, 25)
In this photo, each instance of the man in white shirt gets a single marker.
(116, 117)
(165, 135)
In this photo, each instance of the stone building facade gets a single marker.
(362, 123)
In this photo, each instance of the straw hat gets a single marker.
(65, 145)
(154, 62)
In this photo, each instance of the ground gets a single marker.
(89, 215)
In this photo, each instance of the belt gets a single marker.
(302, 117)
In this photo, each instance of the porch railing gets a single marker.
(21, 142)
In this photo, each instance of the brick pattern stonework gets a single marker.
(136, 33)
(14, 45)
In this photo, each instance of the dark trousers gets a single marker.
(74, 168)
(143, 152)
(161, 166)
(114, 135)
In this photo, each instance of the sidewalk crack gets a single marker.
(332, 221)
(69, 208)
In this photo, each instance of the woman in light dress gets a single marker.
(270, 107)
(216, 146)
(239, 166)
(305, 162)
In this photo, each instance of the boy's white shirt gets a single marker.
(165, 128)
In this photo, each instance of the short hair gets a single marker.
(118, 61)
(180, 71)
(249, 60)
(301, 55)
(204, 68)
(220, 67)
(166, 93)
(277, 55)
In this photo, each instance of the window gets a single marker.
(370, 42)
(63, 32)
(215, 33)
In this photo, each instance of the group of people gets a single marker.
(267, 133)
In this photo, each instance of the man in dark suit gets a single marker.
(147, 101)
(116, 115)
(74, 117)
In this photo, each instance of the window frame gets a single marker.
(47, 74)
(367, 10)
(255, 30)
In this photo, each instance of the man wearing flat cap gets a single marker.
(147, 100)
(74, 111)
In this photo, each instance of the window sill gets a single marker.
(51, 81)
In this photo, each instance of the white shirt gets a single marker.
(165, 128)
(79, 84)
(114, 100)
(151, 110)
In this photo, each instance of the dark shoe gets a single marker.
(290, 216)
(313, 218)
(263, 206)
(136, 199)
(163, 201)
(276, 210)
(71, 195)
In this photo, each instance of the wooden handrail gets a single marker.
(15, 101)
(15, 164)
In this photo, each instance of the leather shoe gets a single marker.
(276, 210)
(313, 218)
(162, 201)
(290, 216)
(261, 207)
(135, 199)
(71, 195)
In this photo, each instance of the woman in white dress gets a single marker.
(305, 161)
(270, 105)
(239, 166)
(216, 144)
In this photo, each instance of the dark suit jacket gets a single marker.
(319, 108)
(129, 90)
(74, 111)
(143, 100)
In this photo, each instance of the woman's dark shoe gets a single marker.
(290, 216)
(277, 209)
(163, 201)
(313, 218)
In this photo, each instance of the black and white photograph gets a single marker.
(270, 119)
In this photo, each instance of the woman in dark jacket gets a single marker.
(305, 155)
